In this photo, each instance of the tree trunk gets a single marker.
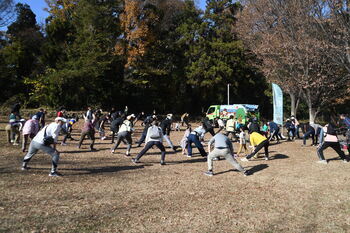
(292, 104)
(312, 110)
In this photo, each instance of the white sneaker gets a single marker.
(322, 161)
(244, 159)
(15, 144)
(345, 161)
(266, 158)
(63, 144)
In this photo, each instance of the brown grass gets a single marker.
(101, 192)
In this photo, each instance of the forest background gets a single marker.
(171, 56)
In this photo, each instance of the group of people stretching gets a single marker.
(122, 126)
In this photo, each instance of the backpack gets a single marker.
(154, 132)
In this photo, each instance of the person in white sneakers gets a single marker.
(46, 137)
(154, 138)
(330, 140)
(124, 134)
(223, 147)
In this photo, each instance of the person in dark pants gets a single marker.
(331, 140)
(291, 129)
(154, 138)
(258, 141)
(208, 126)
(147, 123)
(274, 131)
(115, 124)
(346, 121)
(194, 138)
(67, 129)
(87, 130)
(124, 134)
(166, 129)
(309, 133)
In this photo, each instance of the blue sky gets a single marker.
(38, 6)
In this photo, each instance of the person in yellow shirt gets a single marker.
(258, 141)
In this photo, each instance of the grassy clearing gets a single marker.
(101, 192)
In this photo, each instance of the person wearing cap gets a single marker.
(38, 143)
(124, 134)
(87, 130)
(166, 129)
(67, 129)
(30, 129)
(222, 147)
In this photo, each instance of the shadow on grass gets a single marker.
(279, 156)
(189, 160)
(251, 170)
(98, 170)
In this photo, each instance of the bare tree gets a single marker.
(285, 35)
(7, 12)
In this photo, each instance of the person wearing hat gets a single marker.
(30, 129)
(124, 134)
(46, 137)
(166, 128)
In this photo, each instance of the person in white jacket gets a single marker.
(154, 138)
(39, 143)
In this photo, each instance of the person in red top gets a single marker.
(61, 112)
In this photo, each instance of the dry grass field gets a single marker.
(104, 192)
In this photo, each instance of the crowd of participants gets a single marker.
(121, 124)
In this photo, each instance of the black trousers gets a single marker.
(149, 146)
(334, 145)
(264, 144)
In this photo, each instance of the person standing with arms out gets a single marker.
(166, 129)
(30, 129)
(222, 147)
(42, 141)
(330, 140)
(346, 121)
(154, 138)
(258, 141)
(124, 134)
